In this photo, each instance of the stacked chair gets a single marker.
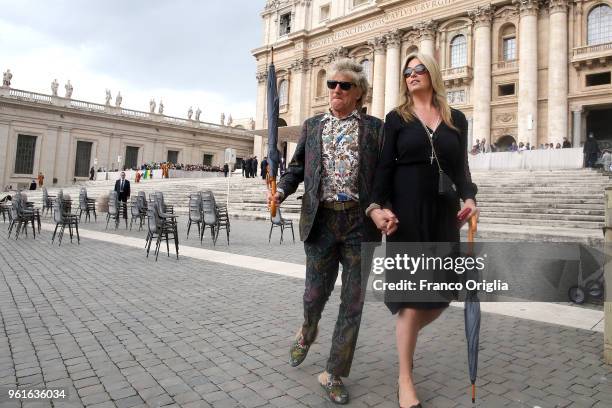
(195, 213)
(20, 215)
(87, 205)
(138, 210)
(63, 218)
(160, 226)
(215, 217)
(114, 211)
(47, 201)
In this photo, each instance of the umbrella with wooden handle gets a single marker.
(472, 313)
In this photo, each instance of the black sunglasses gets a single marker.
(419, 70)
(345, 86)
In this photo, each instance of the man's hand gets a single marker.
(276, 199)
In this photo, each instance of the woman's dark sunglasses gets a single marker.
(419, 69)
(345, 86)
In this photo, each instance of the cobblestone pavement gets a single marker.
(118, 330)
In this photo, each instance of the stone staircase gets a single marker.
(560, 205)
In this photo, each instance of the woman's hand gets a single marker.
(471, 204)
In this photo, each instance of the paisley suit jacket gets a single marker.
(306, 166)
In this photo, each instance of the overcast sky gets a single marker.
(186, 52)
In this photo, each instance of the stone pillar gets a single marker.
(48, 154)
(4, 143)
(258, 145)
(557, 71)
(62, 170)
(290, 151)
(427, 34)
(392, 71)
(260, 114)
(482, 72)
(576, 128)
(608, 280)
(528, 72)
(299, 91)
(378, 77)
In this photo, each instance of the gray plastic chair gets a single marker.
(195, 213)
(113, 210)
(63, 219)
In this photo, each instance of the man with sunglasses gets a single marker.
(335, 158)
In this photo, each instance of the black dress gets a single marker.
(407, 179)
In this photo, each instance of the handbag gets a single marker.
(446, 187)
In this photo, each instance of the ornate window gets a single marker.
(599, 25)
(324, 13)
(458, 51)
(284, 24)
(321, 83)
(367, 68)
(283, 93)
(24, 156)
(508, 42)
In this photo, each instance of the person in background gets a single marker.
(254, 167)
(92, 173)
(606, 160)
(558, 146)
(33, 185)
(41, 179)
(513, 147)
(225, 169)
(264, 167)
(122, 187)
(590, 151)
(566, 143)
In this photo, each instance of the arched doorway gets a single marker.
(282, 122)
(504, 142)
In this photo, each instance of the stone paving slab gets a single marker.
(117, 330)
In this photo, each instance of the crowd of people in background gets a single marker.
(481, 146)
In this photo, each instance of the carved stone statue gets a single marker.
(198, 113)
(252, 124)
(54, 87)
(230, 120)
(118, 99)
(161, 107)
(222, 119)
(108, 97)
(69, 89)
(190, 113)
(6, 78)
(152, 105)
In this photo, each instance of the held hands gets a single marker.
(462, 219)
(385, 220)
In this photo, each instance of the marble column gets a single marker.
(392, 69)
(482, 72)
(260, 114)
(557, 71)
(378, 77)
(576, 128)
(4, 152)
(427, 34)
(299, 95)
(528, 72)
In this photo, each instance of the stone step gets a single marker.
(540, 216)
(544, 223)
(548, 211)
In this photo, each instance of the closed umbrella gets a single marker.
(273, 156)
(472, 315)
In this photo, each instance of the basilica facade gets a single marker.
(521, 70)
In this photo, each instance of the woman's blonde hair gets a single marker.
(355, 71)
(439, 91)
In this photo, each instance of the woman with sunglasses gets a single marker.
(336, 157)
(423, 138)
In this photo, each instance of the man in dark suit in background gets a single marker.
(122, 187)
(254, 168)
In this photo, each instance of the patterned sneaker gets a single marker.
(334, 388)
(298, 350)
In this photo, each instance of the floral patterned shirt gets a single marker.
(340, 169)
